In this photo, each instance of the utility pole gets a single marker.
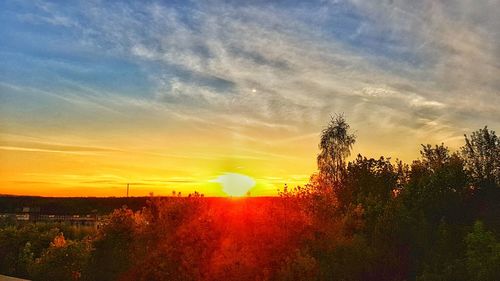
(127, 189)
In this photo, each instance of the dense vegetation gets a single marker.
(437, 218)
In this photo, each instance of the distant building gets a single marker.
(33, 214)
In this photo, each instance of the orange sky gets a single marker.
(95, 95)
(180, 163)
(159, 162)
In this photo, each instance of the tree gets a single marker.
(113, 246)
(369, 182)
(438, 184)
(482, 158)
(483, 254)
(20, 241)
(63, 260)
(434, 158)
(335, 146)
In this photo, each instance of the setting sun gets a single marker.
(235, 184)
(249, 140)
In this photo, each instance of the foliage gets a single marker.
(481, 154)
(112, 248)
(483, 254)
(63, 260)
(335, 146)
(21, 243)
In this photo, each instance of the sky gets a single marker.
(181, 95)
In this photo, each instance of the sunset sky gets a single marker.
(180, 95)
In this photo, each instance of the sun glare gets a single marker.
(235, 184)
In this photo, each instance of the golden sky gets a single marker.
(95, 95)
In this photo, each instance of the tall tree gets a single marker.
(482, 157)
(335, 146)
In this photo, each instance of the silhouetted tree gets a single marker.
(438, 184)
(369, 182)
(335, 146)
(482, 158)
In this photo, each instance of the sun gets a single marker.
(235, 184)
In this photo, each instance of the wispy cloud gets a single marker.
(249, 59)
(254, 80)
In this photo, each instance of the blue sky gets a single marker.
(257, 79)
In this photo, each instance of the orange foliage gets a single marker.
(220, 239)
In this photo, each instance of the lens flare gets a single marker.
(235, 184)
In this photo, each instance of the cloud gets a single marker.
(10, 143)
(426, 70)
(457, 41)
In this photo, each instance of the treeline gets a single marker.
(437, 218)
(70, 205)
